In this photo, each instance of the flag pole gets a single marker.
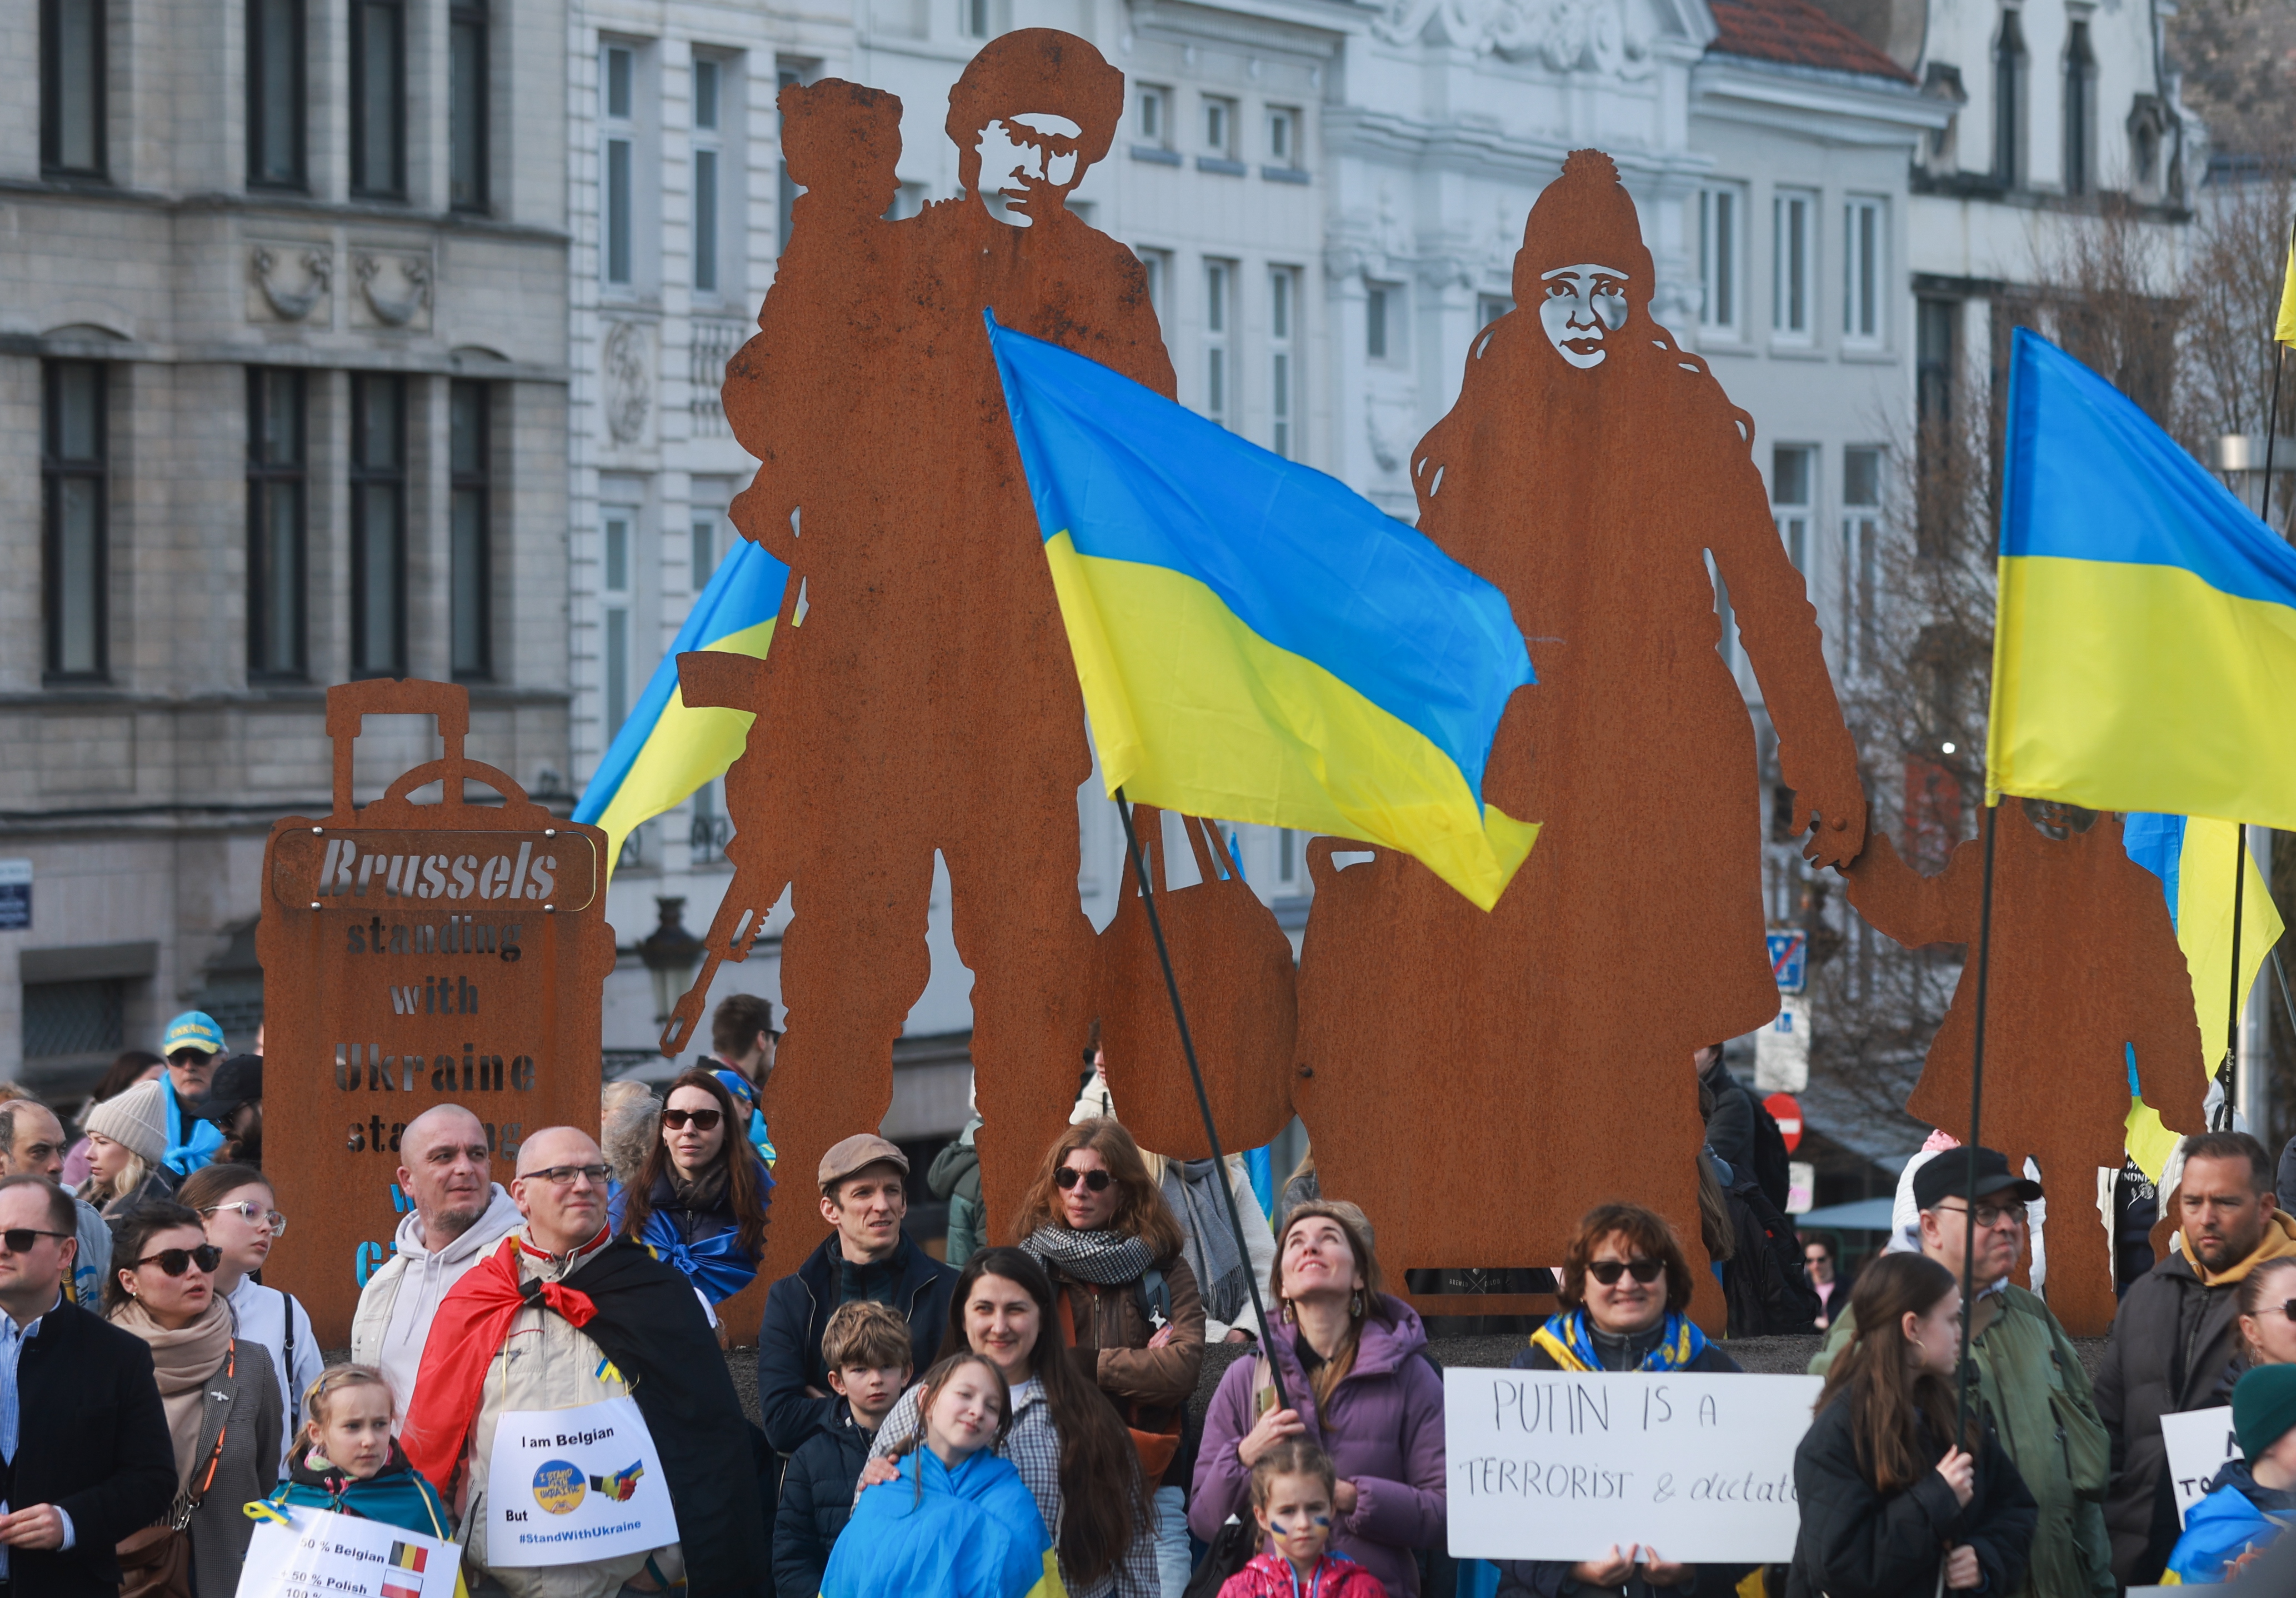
(1976, 1110)
(2228, 1070)
(1195, 1074)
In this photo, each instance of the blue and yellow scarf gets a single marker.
(1571, 1344)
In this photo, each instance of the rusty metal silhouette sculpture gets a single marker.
(919, 695)
(1588, 470)
(2085, 965)
(416, 954)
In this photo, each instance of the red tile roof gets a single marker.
(1797, 33)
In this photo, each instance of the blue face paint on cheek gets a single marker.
(1323, 1520)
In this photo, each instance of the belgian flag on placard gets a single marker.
(403, 1579)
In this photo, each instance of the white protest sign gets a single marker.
(322, 1554)
(2200, 1441)
(565, 1487)
(1566, 1465)
(1781, 1048)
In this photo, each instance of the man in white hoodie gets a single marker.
(460, 1214)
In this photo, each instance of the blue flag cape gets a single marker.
(970, 1532)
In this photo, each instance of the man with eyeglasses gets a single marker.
(562, 1316)
(459, 1214)
(32, 1143)
(193, 1045)
(2177, 1331)
(865, 1198)
(84, 1454)
(2031, 1386)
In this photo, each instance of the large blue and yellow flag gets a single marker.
(667, 750)
(2144, 648)
(1256, 641)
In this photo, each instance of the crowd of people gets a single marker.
(1016, 1421)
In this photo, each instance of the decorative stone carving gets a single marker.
(395, 288)
(1605, 36)
(276, 269)
(1389, 421)
(715, 341)
(625, 377)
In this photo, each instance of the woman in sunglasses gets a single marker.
(221, 1396)
(241, 1215)
(699, 1200)
(1626, 1285)
(1127, 1300)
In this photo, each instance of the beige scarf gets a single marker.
(185, 1361)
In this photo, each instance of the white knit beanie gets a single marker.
(136, 1120)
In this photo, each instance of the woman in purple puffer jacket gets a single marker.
(1354, 1366)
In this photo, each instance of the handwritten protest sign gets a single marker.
(318, 1554)
(2200, 1441)
(565, 1487)
(1562, 1465)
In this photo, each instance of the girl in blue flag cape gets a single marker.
(2253, 1498)
(348, 1462)
(699, 1202)
(958, 1523)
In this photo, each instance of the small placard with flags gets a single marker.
(302, 1553)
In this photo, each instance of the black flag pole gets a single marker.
(1976, 1111)
(2228, 1072)
(1196, 1075)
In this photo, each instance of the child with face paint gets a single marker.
(1292, 1486)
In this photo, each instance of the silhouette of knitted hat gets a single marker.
(136, 1120)
(1585, 215)
(1038, 69)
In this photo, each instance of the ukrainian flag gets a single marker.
(2193, 858)
(665, 752)
(1256, 641)
(2145, 647)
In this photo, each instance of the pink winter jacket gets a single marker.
(1271, 1576)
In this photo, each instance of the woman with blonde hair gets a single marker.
(1361, 1388)
(1124, 1292)
(127, 1139)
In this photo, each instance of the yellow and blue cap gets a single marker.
(192, 1029)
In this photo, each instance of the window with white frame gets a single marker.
(1284, 137)
(618, 526)
(1864, 268)
(1153, 109)
(1790, 472)
(709, 153)
(1861, 538)
(1383, 322)
(1721, 246)
(617, 176)
(1220, 317)
(1282, 365)
(1219, 127)
(1794, 258)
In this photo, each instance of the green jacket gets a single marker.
(2037, 1396)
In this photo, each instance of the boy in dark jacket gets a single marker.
(866, 1348)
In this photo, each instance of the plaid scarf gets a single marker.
(1569, 1342)
(1104, 1258)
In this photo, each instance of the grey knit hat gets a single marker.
(136, 1120)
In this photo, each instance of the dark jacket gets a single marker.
(816, 1501)
(1857, 1544)
(91, 1439)
(1730, 1129)
(797, 1313)
(2170, 1342)
(1551, 1578)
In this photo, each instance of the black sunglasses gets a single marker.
(21, 1240)
(702, 1119)
(175, 1262)
(1068, 1176)
(1608, 1271)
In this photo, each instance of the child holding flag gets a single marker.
(348, 1462)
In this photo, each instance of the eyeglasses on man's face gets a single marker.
(566, 1175)
(1989, 1215)
(22, 1240)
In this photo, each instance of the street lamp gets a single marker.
(671, 954)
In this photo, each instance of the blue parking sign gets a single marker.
(1789, 960)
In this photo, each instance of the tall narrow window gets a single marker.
(1155, 120)
(274, 94)
(1720, 218)
(617, 524)
(1863, 270)
(1861, 532)
(1790, 475)
(277, 467)
(378, 98)
(1283, 137)
(973, 17)
(467, 69)
(71, 87)
(2080, 111)
(1937, 340)
(1219, 289)
(1283, 373)
(1219, 127)
(1792, 252)
(616, 195)
(707, 76)
(2009, 103)
(1380, 314)
(75, 558)
(704, 551)
(378, 525)
(470, 556)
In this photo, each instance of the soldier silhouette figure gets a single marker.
(1588, 470)
(2085, 965)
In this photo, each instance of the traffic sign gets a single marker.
(1789, 960)
(1786, 1111)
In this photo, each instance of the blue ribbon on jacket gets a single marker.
(715, 1265)
(1572, 1346)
